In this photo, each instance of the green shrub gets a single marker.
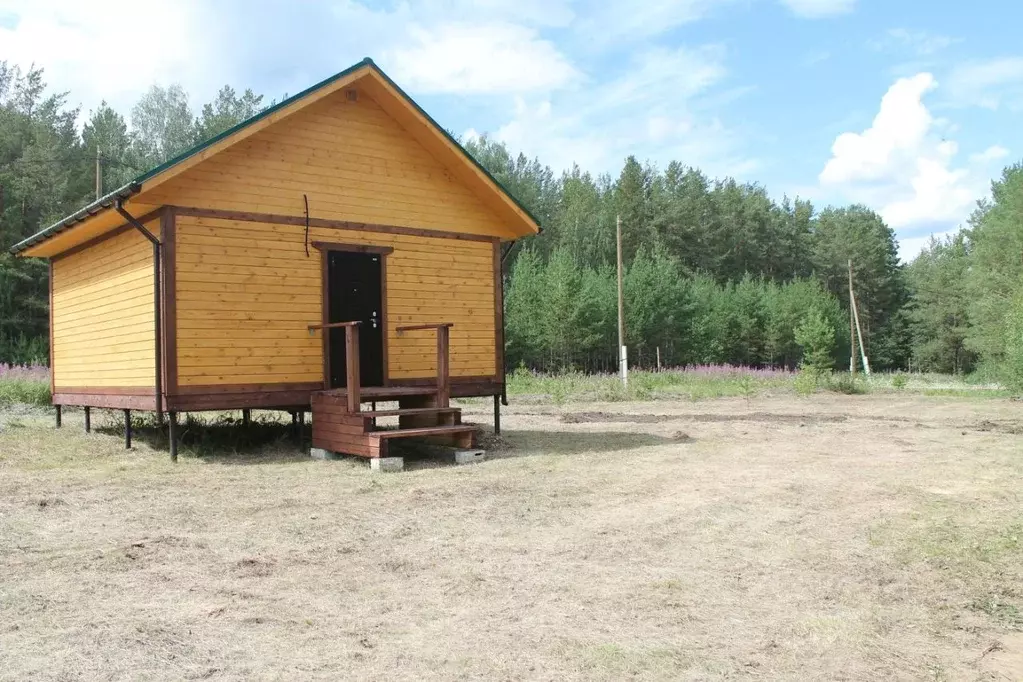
(807, 382)
(846, 383)
(899, 381)
(816, 337)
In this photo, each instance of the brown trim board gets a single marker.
(498, 313)
(352, 248)
(273, 218)
(383, 321)
(212, 389)
(169, 326)
(50, 264)
(125, 399)
(275, 400)
(325, 314)
(279, 396)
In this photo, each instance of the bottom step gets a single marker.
(423, 432)
(351, 440)
(458, 435)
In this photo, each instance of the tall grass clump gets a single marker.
(27, 384)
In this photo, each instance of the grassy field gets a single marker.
(768, 536)
(720, 381)
(30, 384)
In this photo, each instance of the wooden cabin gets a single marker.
(337, 248)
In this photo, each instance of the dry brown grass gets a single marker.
(855, 538)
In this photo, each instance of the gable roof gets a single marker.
(527, 222)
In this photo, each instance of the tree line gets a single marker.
(716, 271)
(967, 306)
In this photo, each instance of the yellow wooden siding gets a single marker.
(352, 160)
(103, 327)
(246, 293)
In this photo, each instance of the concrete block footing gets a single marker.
(387, 464)
(320, 453)
(469, 456)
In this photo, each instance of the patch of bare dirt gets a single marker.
(1003, 658)
(1010, 427)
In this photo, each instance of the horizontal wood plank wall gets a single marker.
(246, 292)
(351, 159)
(103, 322)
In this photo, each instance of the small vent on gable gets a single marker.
(351, 95)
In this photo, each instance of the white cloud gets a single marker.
(910, 247)
(899, 126)
(104, 49)
(472, 58)
(614, 22)
(815, 58)
(556, 13)
(904, 166)
(921, 43)
(987, 83)
(653, 110)
(818, 9)
(992, 153)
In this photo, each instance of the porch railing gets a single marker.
(352, 378)
(443, 359)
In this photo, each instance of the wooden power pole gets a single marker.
(856, 320)
(852, 325)
(623, 358)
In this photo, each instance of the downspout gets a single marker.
(504, 324)
(157, 323)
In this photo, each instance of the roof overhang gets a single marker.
(84, 215)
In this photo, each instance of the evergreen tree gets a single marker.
(859, 234)
(939, 308)
(657, 306)
(995, 273)
(816, 336)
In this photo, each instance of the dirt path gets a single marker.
(857, 538)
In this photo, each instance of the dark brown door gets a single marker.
(354, 293)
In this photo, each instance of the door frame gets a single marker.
(325, 248)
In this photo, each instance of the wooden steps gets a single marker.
(339, 430)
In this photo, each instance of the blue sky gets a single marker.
(910, 107)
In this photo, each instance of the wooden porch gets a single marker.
(340, 425)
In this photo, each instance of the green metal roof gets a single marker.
(135, 185)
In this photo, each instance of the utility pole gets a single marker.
(852, 325)
(99, 174)
(623, 356)
(859, 331)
